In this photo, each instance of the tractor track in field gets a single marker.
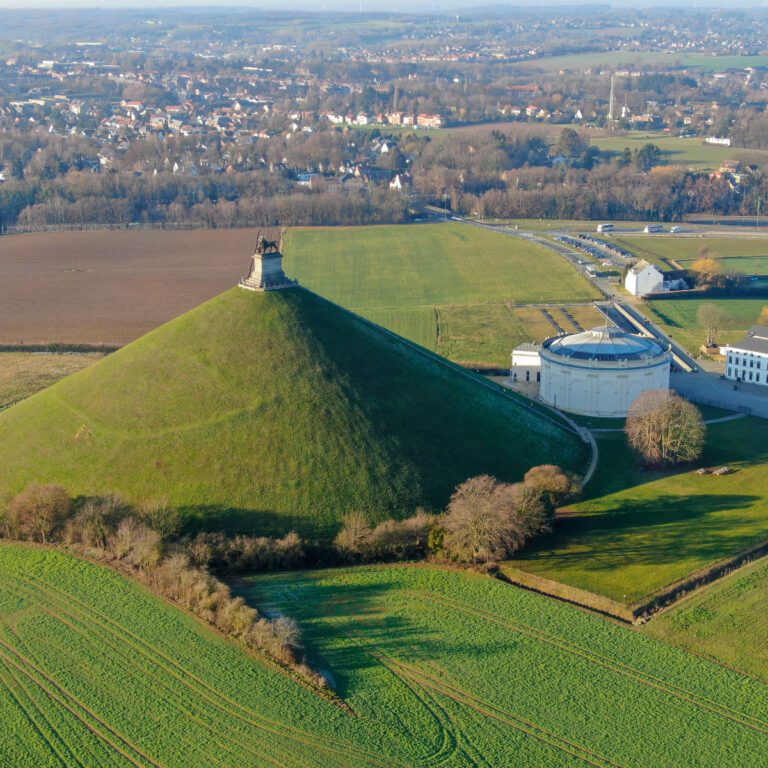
(618, 667)
(523, 725)
(54, 736)
(101, 729)
(198, 687)
(172, 698)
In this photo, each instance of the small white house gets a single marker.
(644, 278)
(747, 360)
(526, 364)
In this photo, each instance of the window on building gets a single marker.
(730, 371)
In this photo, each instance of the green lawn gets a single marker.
(679, 318)
(441, 285)
(687, 249)
(677, 151)
(726, 621)
(639, 531)
(96, 671)
(471, 671)
(267, 412)
(428, 265)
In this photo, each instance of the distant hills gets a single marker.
(264, 413)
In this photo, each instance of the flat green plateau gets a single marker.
(639, 531)
(269, 412)
(475, 672)
(452, 288)
(727, 621)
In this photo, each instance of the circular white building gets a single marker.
(602, 371)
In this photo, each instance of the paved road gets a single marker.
(710, 389)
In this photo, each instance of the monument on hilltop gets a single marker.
(266, 270)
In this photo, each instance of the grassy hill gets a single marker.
(271, 412)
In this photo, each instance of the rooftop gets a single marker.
(605, 343)
(756, 340)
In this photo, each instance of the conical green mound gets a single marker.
(269, 412)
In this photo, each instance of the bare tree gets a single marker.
(38, 511)
(553, 483)
(712, 319)
(354, 534)
(665, 429)
(486, 520)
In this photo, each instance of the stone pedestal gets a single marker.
(266, 273)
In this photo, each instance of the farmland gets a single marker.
(687, 249)
(638, 531)
(110, 287)
(450, 287)
(278, 411)
(24, 373)
(479, 673)
(679, 318)
(96, 671)
(726, 621)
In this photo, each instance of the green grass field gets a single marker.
(679, 318)
(656, 248)
(475, 672)
(441, 285)
(638, 531)
(271, 412)
(428, 265)
(726, 621)
(24, 373)
(96, 671)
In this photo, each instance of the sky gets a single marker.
(368, 5)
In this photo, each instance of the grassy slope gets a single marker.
(266, 412)
(457, 661)
(24, 373)
(726, 621)
(440, 285)
(639, 531)
(679, 318)
(150, 679)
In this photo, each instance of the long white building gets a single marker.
(601, 372)
(747, 360)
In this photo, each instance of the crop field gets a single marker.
(679, 318)
(443, 286)
(24, 373)
(472, 671)
(726, 621)
(110, 287)
(95, 671)
(638, 531)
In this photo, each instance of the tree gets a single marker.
(647, 157)
(763, 319)
(712, 319)
(354, 534)
(38, 511)
(486, 520)
(552, 483)
(665, 429)
(706, 269)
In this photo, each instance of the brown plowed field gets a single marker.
(110, 287)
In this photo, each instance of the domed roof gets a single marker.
(604, 343)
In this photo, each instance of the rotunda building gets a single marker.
(602, 371)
